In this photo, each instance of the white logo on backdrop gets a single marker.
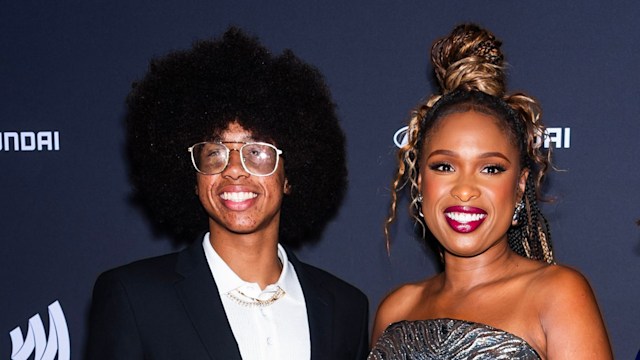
(36, 341)
(401, 137)
(559, 137)
(30, 141)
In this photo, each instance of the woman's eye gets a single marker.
(493, 169)
(442, 167)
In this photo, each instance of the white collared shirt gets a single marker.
(274, 332)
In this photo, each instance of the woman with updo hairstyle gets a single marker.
(473, 167)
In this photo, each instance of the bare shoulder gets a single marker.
(402, 300)
(562, 292)
(569, 315)
(398, 305)
(561, 283)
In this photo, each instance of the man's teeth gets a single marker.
(238, 196)
(464, 217)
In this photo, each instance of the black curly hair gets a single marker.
(191, 96)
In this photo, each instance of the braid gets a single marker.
(469, 67)
(470, 57)
(407, 173)
(531, 237)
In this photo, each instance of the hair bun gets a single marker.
(469, 57)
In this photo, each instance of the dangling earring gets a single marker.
(516, 213)
(419, 205)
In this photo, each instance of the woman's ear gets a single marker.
(522, 182)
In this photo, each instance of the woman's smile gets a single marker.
(464, 219)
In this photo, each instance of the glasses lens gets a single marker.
(260, 159)
(209, 158)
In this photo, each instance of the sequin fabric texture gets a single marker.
(449, 339)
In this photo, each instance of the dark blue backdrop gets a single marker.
(66, 67)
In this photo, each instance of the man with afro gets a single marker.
(242, 151)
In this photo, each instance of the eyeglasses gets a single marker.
(257, 158)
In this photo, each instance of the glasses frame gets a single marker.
(239, 150)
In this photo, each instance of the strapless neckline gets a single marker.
(446, 338)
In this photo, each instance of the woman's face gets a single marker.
(471, 181)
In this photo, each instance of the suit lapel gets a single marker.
(319, 304)
(199, 294)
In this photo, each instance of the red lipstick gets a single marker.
(464, 219)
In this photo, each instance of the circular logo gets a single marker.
(401, 137)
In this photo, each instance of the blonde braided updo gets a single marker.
(469, 67)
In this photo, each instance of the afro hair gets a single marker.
(192, 95)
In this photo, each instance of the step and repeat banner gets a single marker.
(67, 214)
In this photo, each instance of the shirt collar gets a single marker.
(227, 280)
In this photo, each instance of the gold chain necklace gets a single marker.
(249, 301)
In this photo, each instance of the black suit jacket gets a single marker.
(168, 307)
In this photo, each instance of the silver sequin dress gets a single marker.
(449, 339)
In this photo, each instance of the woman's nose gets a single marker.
(465, 190)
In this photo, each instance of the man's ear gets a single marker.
(286, 187)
